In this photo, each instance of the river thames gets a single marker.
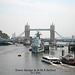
(30, 63)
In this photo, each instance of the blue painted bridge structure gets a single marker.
(39, 29)
(63, 39)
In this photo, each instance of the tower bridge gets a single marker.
(51, 30)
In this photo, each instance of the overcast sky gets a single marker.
(14, 14)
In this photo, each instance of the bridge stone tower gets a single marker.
(52, 33)
(27, 31)
(27, 35)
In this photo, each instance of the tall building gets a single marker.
(13, 35)
(73, 37)
(4, 35)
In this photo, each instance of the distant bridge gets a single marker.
(63, 39)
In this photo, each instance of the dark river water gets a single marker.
(30, 63)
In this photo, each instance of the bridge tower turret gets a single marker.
(27, 31)
(27, 35)
(52, 34)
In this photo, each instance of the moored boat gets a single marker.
(37, 44)
(68, 59)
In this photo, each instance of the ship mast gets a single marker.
(38, 34)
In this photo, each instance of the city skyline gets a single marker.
(14, 15)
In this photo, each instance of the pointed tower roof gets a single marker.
(52, 23)
(27, 24)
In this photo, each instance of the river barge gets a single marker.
(68, 59)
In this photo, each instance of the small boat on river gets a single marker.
(50, 60)
(19, 55)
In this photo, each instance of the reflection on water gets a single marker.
(9, 61)
(52, 52)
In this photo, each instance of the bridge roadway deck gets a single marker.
(39, 29)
